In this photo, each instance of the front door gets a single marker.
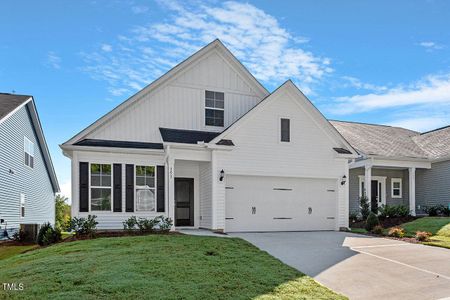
(374, 196)
(184, 202)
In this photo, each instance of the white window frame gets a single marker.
(279, 130)
(26, 144)
(100, 187)
(22, 205)
(154, 188)
(213, 108)
(399, 180)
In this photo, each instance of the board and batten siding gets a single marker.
(259, 152)
(205, 194)
(433, 185)
(16, 178)
(181, 103)
(389, 174)
(110, 219)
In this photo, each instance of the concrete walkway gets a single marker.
(362, 267)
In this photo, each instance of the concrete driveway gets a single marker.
(362, 267)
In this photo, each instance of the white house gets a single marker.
(207, 145)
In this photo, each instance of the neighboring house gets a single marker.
(403, 166)
(27, 179)
(208, 146)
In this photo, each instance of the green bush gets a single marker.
(432, 211)
(164, 224)
(392, 211)
(378, 229)
(146, 225)
(445, 211)
(21, 236)
(84, 226)
(130, 223)
(396, 232)
(372, 221)
(48, 235)
(364, 206)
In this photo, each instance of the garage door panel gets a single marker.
(280, 204)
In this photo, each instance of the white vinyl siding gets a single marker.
(396, 188)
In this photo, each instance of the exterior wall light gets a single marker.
(344, 180)
(222, 175)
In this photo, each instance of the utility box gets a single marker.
(31, 230)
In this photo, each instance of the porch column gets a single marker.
(368, 183)
(171, 189)
(412, 190)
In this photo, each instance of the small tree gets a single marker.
(372, 221)
(62, 212)
(364, 206)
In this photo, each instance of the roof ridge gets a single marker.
(433, 130)
(364, 123)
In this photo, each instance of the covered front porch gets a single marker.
(392, 182)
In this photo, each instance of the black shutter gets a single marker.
(117, 184)
(160, 189)
(84, 187)
(129, 202)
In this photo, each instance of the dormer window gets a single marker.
(214, 108)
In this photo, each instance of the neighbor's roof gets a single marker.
(9, 102)
(381, 140)
(435, 143)
(186, 136)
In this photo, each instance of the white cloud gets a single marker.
(432, 90)
(66, 190)
(270, 52)
(360, 85)
(139, 9)
(106, 47)
(53, 60)
(430, 46)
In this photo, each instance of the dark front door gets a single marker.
(184, 202)
(374, 196)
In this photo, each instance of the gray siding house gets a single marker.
(403, 166)
(28, 181)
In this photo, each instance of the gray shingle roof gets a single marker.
(9, 102)
(435, 143)
(186, 136)
(381, 140)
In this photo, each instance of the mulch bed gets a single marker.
(387, 222)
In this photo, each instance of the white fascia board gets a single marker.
(67, 148)
(378, 161)
(15, 110)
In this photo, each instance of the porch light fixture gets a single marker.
(344, 180)
(222, 175)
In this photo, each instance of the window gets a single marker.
(22, 205)
(214, 108)
(396, 187)
(28, 148)
(101, 187)
(145, 188)
(285, 130)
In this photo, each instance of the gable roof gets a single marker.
(186, 136)
(214, 45)
(9, 104)
(311, 109)
(381, 140)
(435, 143)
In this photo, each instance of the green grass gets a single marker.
(156, 267)
(358, 230)
(8, 251)
(435, 225)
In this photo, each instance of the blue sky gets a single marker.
(384, 62)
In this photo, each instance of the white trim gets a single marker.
(399, 180)
(279, 130)
(27, 142)
(381, 191)
(395, 163)
(15, 110)
(101, 187)
(213, 108)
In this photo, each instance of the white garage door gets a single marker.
(256, 203)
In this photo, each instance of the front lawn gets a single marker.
(438, 226)
(7, 250)
(156, 267)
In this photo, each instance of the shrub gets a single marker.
(20, 236)
(423, 236)
(396, 232)
(364, 205)
(401, 211)
(392, 211)
(130, 223)
(146, 225)
(164, 224)
(372, 221)
(445, 211)
(432, 211)
(84, 226)
(353, 217)
(48, 235)
(378, 229)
